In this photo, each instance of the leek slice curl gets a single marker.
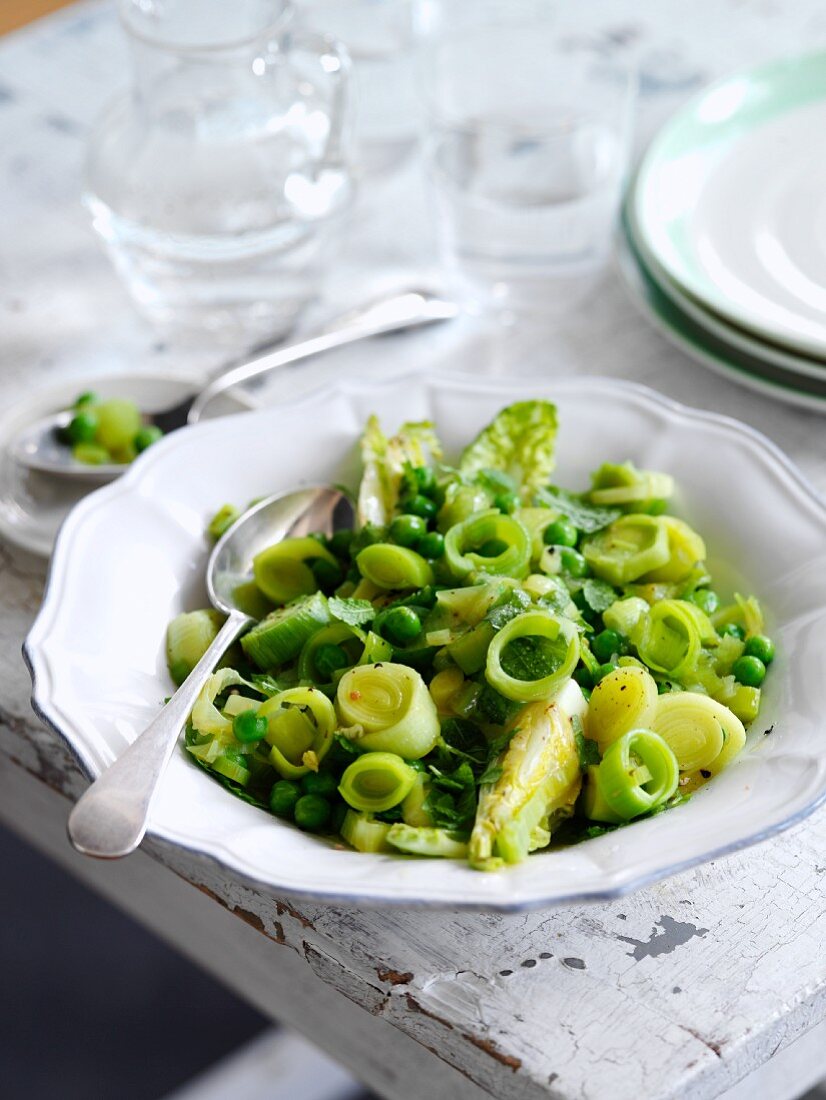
(702, 733)
(464, 541)
(387, 708)
(301, 722)
(623, 700)
(541, 624)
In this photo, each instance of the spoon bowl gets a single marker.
(37, 447)
(303, 512)
(109, 820)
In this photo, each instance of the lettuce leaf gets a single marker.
(385, 463)
(519, 442)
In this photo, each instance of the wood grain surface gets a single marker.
(19, 12)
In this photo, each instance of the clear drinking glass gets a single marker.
(379, 37)
(214, 181)
(526, 148)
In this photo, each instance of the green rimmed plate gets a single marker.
(705, 348)
(730, 201)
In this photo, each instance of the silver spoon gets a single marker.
(109, 820)
(39, 448)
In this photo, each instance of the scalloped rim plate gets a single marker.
(132, 554)
(728, 200)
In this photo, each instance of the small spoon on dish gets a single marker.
(109, 820)
(38, 447)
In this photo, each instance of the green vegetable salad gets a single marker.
(101, 432)
(487, 664)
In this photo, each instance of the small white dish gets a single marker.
(132, 555)
(33, 505)
(731, 201)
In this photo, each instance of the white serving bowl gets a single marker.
(131, 556)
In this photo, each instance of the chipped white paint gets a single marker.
(677, 992)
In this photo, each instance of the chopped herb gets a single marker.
(491, 773)
(350, 611)
(266, 684)
(587, 517)
(494, 708)
(533, 657)
(557, 600)
(599, 595)
(510, 605)
(587, 750)
(451, 801)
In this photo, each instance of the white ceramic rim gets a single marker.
(688, 278)
(634, 279)
(719, 326)
(786, 471)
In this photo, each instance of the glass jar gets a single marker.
(214, 182)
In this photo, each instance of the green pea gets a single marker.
(749, 671)
(560, 533)
(87, 398)
(422, 506)
(323, 783)
(425, 480)
(583, 677)
(431, 545)
(406, 530)
(329, 659)
(760, 646)
(732, 629)
(249, 726)
(149, 434)
(340, 543)
(401, 624)
(327, 574)
(311, 812)
(574, 563)
(83, 427)
(604, 670)
(283, 797)
(705, 599)
(607, 644)
(425, 597)
(506, 502)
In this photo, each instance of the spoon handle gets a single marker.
(403, 312)
(109, 820)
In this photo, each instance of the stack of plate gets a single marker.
(724, 229)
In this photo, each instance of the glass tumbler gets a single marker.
(215, 180)
(526, 147)
(379, 36)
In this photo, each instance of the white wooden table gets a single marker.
(680, 991)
